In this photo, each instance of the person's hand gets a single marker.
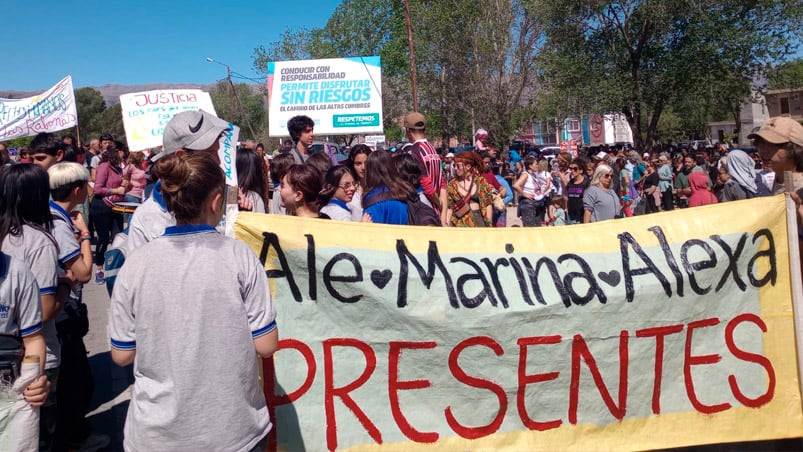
(118, 191)
(36, 392)
(79, 222)
(798, 204)
(366, 218)
(125, 183)
(243, 203)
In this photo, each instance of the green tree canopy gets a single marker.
(788, 75)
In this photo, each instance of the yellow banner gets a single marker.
(658, 331)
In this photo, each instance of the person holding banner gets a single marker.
(191, 310)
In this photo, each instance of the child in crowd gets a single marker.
(557, 211)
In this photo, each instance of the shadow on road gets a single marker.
(110, 399)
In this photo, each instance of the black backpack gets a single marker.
(418, 213)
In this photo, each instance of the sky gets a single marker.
(131, 42)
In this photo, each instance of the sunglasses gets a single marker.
(574, 168)
(347, 185)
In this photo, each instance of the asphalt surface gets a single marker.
(112, 383)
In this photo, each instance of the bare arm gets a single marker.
(123, 357)
(36, 392)
(267, 344)
(519, 185)
(586, 216)
(50, 307)
(81, 265)
(444, 203)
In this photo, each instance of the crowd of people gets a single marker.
(58, 200)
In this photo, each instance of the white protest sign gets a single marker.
(50, 111)
(227, 153)
(145, 114)
(341, 95)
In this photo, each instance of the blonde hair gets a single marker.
(65, 173)
(601, 170)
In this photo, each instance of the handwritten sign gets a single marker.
(145, 114)
(615, 335)
(341, 95)
(50, 111)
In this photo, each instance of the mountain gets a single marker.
(111, 93)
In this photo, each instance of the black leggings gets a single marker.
(107, 224)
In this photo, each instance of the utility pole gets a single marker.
(412, 52)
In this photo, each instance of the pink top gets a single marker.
(106, 179)
(137, 182)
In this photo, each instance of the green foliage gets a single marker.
(89, 103)
(110, 121)
(642, 56)
(788, 75)
(242, 107)
(94, 118)
(499, 64)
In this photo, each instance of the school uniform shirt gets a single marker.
(190, 303)
(355, 206)
(20, 308)
(337, 210)
(69, 249)
(38, 250)
(149, 220)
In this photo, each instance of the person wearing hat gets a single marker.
(433, 180)
(780, 140)
(187, 132)
(479, 144)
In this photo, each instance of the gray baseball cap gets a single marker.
(195, 130)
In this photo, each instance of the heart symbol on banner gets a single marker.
(381, 278)
(611, 278)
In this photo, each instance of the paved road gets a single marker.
(112, 383)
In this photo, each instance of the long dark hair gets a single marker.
(24, 199)
(249, 172)
(308, 180)
(381, 171)
(332, 180)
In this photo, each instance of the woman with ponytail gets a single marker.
(190, 309)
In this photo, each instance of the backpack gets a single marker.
(418, 213)
(114, 258)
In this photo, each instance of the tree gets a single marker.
(89, 103)
(243, 107)
(788, 75)
(110, 120)
(658, 51)
(474, 59)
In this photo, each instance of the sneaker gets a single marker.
(94, 442)
(99, 277)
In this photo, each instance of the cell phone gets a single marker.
(9, 371)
